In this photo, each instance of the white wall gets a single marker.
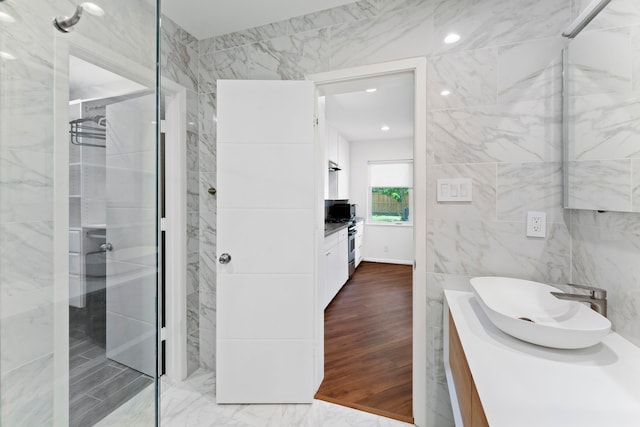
(396, 239)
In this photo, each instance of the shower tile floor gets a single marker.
(192, 403)
(97, 385)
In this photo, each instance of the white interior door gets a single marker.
(131, 231)
(266, 198)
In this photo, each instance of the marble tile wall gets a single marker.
(26, 216)
(604, 110)
(179, 62)
(606, 245)
(28, 379)
(500, 126)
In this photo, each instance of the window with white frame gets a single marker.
(391, 192)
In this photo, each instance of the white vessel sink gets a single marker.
(527, 310)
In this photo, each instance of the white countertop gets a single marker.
(525, 385)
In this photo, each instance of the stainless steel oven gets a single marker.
(352, 247)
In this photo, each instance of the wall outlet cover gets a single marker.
(536, 224)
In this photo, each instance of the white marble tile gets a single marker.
(208, 259)
(139, 411)
(193, 313)
(635, 58)
(26, 186)
(225, 64)
(617, 221)
(470, 78)
(208, 153)
(401, 34)
(208, 202)
(25, 336)
(208, 308)
(207, 113)
(524, 187)
(600, 62)
(441, 414)
(178, 33)
(497, 22)
(26, 394)
(179, 61)
(192, 112)
(193, 271)
(618, 13)
(603, 127)
(31, 241)
(193, 152)
(483, 179)
(523, 132)
(192, 403)
(635, 197)
(600, 185)
(607, 257)
(248, 36)
(193, 352)
(207, 349)
(290, 57)
(27, 102)
(193, 197)
(531, 70)
(330, 17)
(478, 248)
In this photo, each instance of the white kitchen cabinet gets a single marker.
(336, 268)
(343, 162)
(359, 255)
(337, 151)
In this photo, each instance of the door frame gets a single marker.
(175, 130)
(419, 68)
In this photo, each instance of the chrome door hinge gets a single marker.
(163, 224)
(163, 334)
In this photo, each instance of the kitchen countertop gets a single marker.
(526, 385)
(331, 228)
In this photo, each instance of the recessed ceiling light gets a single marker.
(371, 90)
(385, 128)
(6, 55)
(445, 93)
(5, 17)
(452, 38)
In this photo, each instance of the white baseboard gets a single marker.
(389, 261)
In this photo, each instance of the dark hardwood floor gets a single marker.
(368, 341)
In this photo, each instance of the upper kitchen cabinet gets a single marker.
(337, 149)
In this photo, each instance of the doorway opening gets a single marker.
(112, 283)
(386, 157)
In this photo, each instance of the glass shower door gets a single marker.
(78, 198)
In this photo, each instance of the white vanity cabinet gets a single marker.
(359, 255)
(336, 268)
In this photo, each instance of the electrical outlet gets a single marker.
(385, 249)
(536, 224)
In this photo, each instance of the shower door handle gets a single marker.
(106, 247)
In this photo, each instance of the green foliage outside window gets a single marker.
(389, 204)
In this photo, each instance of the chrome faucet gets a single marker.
(597, 297)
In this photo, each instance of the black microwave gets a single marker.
(342, 211)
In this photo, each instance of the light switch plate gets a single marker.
(536, 224)
(455, 190)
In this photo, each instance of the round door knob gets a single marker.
(106, 247)
(224, 259)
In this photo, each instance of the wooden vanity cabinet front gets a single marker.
(468, 400)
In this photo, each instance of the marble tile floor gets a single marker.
(192, 403)
(97, 385)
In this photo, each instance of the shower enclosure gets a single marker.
(78, 208)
